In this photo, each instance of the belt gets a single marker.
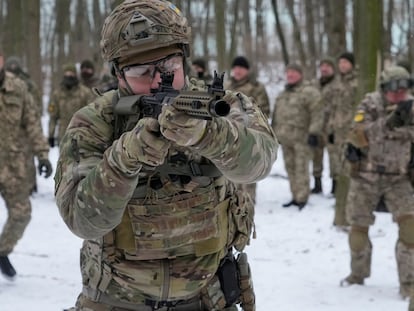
(193, 304)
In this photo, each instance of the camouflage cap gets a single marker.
(135, 28)
(295, 66)
(327, 60)
(69, 67)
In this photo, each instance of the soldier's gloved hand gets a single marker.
(181, 128)
(352, 153)
(331, 138)
(313, 140)
(51, 141)
(401, 116)
(45, 167)
(144, 144)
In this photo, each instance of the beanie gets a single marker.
(348, 56)
(240, 61)
(295, 67)
(69, 67)
(200, 63)
(87, 64)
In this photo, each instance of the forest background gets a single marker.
(46, 34)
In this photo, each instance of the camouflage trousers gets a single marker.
(364, 194)
(85, 304)
(317, 161)
(296, 158)
(15, 193)
(250, 189)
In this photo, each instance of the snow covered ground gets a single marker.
(297, 259)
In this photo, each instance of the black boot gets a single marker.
(318, 186)
(293, 202)
(333, 186)
(6, 267)
(301, 205)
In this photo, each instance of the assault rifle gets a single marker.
(198, 104)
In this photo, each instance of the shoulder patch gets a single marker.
(359, 116)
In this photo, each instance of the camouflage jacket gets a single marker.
(63, 104)
(343, 108)
(254, 89)
(330, 94)
(20, 118)
(162, 234)
(34, 91)
(384, 150)
(298, 112)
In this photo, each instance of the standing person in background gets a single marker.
(199, 68)
(242, 80)
(380, 150)
(87, 74)
(19, 119)
(65, 101)
(340, 121)
(298, 121)
(328, 86)
(13, 65)
(154, 197)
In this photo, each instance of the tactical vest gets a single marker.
(159, 225)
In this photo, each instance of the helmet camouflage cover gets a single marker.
(136, 27)
(395, 77)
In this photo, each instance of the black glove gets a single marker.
(331, 138)
(51, 141)
(313, 140)
(352, 153)
(45, 167)
(401, 115)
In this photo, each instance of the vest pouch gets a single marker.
(241, 220)
(168, 228)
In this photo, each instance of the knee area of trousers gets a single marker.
(358, 239)
(406, 231)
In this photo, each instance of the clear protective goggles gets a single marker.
(395, 85)
(171, 64)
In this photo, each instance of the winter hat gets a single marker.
(296, 67)
(69, 67)
(87, 64)
(200, 63)
(328, 60)
(240, 61)
(349, 57)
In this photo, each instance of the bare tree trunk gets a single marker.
(247, 32)
(336, 26)
(410, 33)
(368, 15)
(310, 30)
(261, 48)
(80, 34)
(98, 19)
(233, 32)
(13, 38)
(206, 31)
(219, 10)
(279, 31)
(388, 30)
(296, 32)
(33, 57)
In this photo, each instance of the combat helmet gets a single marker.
(143, 31)
(394, 78)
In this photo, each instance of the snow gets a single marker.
(297, 260)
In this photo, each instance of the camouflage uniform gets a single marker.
(340, 120)
(381, 170)
(13, 65)
(329, 92)
(155, 235)
(297, 113)
(256, 90)
(63, 104)
(20, 119)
